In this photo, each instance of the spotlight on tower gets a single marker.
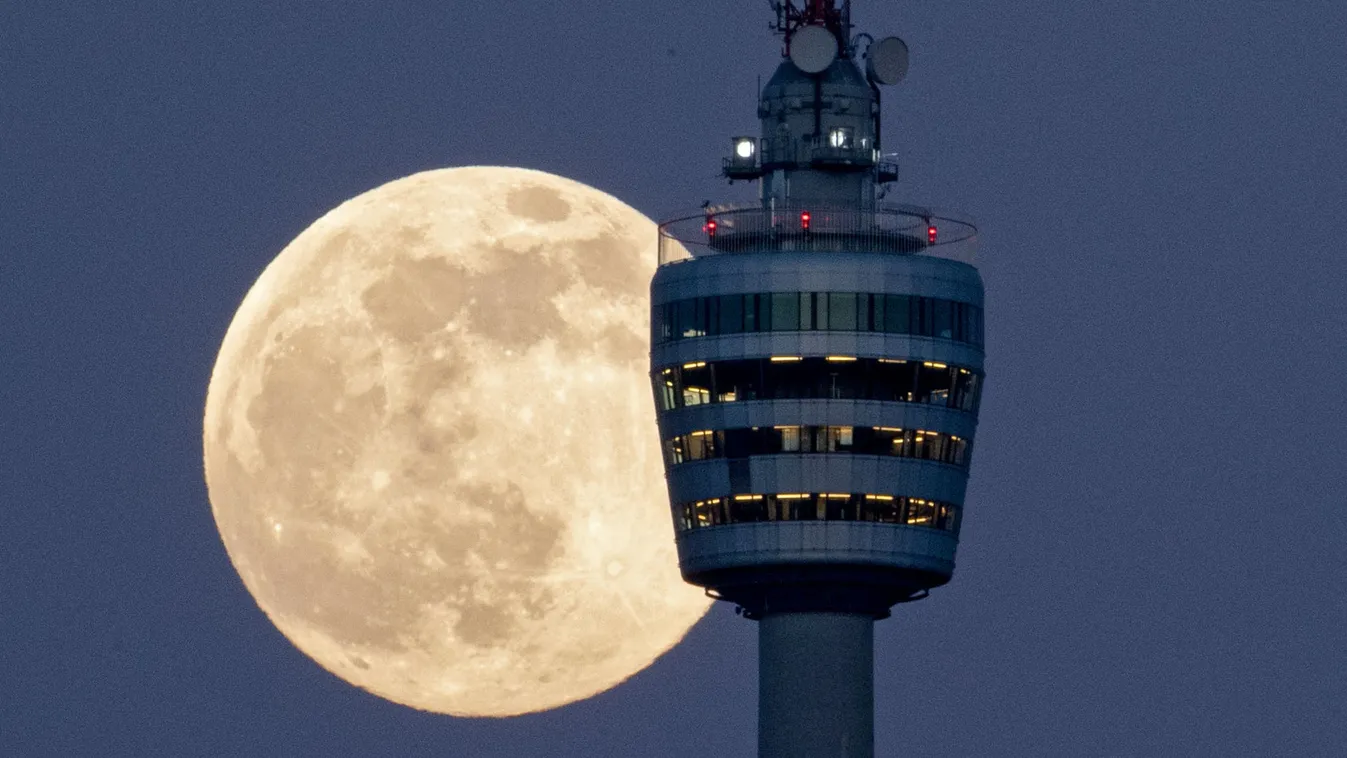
(743, 160)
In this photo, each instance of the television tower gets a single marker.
(817, 360)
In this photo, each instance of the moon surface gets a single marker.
(430, 448)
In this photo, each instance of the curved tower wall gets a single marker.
(862, 548)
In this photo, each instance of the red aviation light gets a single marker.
(709, 227)
(804, 220)
(930, 233)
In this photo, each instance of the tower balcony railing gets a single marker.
(824, 154)
(889, 229)
(830, 154)
(829, 150)
(787, 151)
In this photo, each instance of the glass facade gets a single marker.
(817, 506)
(860, 440)
(821, 311)
(833, 377)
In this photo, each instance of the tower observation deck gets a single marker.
(817, 363)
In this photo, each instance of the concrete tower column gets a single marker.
(816, 685)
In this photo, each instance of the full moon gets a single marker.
(430, 449)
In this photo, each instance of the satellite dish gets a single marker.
(886, 61)
(813, 49)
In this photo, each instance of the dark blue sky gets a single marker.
(1153, 558)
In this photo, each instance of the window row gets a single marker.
(821, 311)
(835, 377)
(880, 509)
(862, 440)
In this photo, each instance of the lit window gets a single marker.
(884, 509)
(707, 512)
(788, 377)
(920, 512)
(673, 451)
(696, 395)
(835, 439)
(701, 446)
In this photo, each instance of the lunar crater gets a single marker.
(542, 204)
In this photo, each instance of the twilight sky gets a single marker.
(1155, 546)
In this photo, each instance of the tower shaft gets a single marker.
(816, 685)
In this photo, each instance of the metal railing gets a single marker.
(895, 230)
(797, 153)
(803, 151)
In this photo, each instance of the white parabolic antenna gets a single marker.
(886, 61)
(813, 49)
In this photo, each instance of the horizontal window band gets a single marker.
(919, 444)
(817, 378)
(817, 311)
(816, 506)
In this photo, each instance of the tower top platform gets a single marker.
(890, 229)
